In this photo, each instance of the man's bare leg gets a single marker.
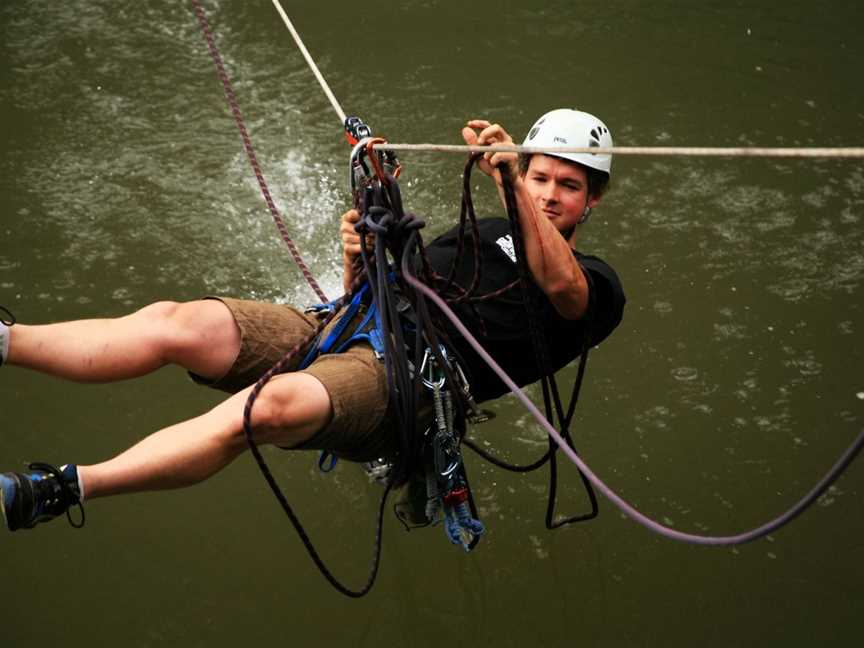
(289, 410)
(200, 336)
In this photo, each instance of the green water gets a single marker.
(732, 384)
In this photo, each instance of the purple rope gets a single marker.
(250, 152)
(652, 525)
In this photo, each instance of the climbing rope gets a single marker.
(324, 86)
(250, 151)
(551, 397)
(548, 383)
(271, 480)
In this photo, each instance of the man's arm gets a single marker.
(550, 258)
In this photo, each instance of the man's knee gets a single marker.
(200, 335)
(291, 409)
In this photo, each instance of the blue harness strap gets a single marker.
(362, 331)
(368, 330)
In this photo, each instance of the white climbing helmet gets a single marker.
(566, 127)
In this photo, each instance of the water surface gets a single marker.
(732, 384)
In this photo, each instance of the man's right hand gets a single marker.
(350, 238)
(351, 246)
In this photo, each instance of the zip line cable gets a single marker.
(327, 91)
(660, 151)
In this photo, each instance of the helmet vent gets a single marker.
(596, 133)
(533, 132)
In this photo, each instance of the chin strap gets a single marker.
(585, 215)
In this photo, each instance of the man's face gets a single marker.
(559, 189)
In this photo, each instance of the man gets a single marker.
(340, 401)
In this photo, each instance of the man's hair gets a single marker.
(598, 181)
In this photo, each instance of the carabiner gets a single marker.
(429, 364)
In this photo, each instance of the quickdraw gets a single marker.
(447, 486)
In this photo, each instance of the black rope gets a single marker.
(384, 217)
(397, 239)
(551, 397)
(274, 486)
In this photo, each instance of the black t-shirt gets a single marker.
(501, 324)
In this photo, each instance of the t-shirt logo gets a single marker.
(506, 244)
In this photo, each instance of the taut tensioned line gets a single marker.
(321, 80)
(661, 151)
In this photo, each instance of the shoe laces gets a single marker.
(70, 496)
(9, 318)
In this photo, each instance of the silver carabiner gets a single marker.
(355, 165)
(430, 363)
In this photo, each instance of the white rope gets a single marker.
(308, 57)
(693, 151)
(698, 151)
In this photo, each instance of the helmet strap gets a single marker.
(585, 215)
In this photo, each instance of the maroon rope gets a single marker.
(250, 152)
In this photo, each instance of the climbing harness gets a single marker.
(339, 339)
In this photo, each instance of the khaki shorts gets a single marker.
(361, 428)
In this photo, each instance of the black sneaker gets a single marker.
(38, 496)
